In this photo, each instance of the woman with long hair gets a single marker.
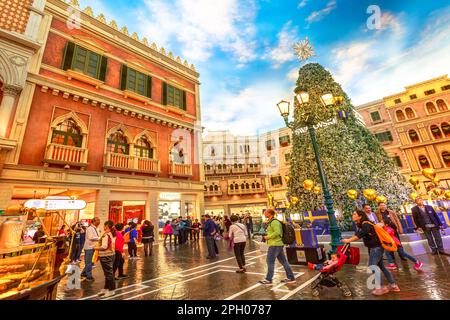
(148, 237)
(366, 231)
(106, 253)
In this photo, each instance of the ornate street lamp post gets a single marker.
(303, 100)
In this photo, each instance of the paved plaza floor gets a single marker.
(184, 273)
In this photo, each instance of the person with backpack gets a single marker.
(370, 233)
(238, 236)
(132, 245)
(106, 253)
(274, 238)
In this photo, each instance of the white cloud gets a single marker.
(381, 67)
(302, 4)
(200, 26)
(283, 52)
(247, 111)
(320, 14)
(293, 75)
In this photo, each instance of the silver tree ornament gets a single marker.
(303, 50)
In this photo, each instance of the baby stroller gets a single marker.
(345, 254)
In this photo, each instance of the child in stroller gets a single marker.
(330, 267)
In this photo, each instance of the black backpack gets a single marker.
(288, 236)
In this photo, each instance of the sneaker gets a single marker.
(418, 266)
(393, 288)
(102, 292)
(289, 281)
(266, 282)
(392, 266)
(109, 293)
(380, 291)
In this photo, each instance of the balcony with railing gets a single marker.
(246, 191)
(116, 161)
(209, 169)
(254, 168)
(223, 169)
(180, 170)
(213, 193)
(241, 168)
(62, 154)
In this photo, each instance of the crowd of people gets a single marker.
(237, 230)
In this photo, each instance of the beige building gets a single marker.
(414, 128)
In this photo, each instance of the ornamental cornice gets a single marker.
(88, 97)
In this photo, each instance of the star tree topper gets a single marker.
(303, 50)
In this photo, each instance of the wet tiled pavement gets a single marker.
(184, 273)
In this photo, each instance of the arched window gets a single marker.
(436, 132)
(236, 186)
(208, 167)
(446, 129)
(143, 148)
(219, 167)
(118, 143)
(211, 188)
(68, 133)
(442, 106)
(258, 185)
(243, 186)
(413, 136)
(446, 158)
(400, 115)
(424, 163)
(216, 188)
(231, 186)
(235, 165)
(177, 154)
(431, 108)
(247, 185)
(206, 188)
(410, 113)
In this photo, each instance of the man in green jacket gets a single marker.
(275, 249)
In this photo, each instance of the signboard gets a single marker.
(55, 204)
(133, 213)
(169, 196)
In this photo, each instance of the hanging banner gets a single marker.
(133, 214)
(115, 211)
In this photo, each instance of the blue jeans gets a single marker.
(274, 253)
(210, 245)
(401, 252)
(376, 259)
(87, 271)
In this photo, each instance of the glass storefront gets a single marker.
(167, 211)
(127, 211)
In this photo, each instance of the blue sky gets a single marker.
(243, 48)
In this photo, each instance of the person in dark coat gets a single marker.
(427, 220)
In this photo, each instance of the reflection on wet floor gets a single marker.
(184, 273)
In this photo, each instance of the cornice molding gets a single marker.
(95, 99)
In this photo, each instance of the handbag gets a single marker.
(217, 237)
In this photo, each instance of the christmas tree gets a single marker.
(352, 156)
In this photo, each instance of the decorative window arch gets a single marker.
(118, 142)
(436, 132)
(431, 108)
(446, 158)
(236, 186)
(442, 106)
(445, 126)
(423, 162)
(143, 148)
(231, 186)
(413, 136)
(258, 185)
(410, 113)
(211, 188)
(253, 185)
(216, 188)
(68, 130)
(400, 115)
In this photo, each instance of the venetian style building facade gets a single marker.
(242, 172)
(100, 115)
(414, 128)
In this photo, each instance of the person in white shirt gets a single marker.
(239, 234)
(370, 214)
(92, 238)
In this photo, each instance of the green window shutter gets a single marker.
(149, 86)
(123, 77)
(103, 67)
(68, 55)
(184, 100)
(164, 93)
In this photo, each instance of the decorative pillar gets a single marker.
(151, 210)
(102, 204)
(6, 193)
(10, 93)
(34, 21)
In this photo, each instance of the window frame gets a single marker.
(136, 84)
(151, 152)
(117, 144)
(173, 89)
(87, 62)
(66, 135)
(375, 120)
(387, 134)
